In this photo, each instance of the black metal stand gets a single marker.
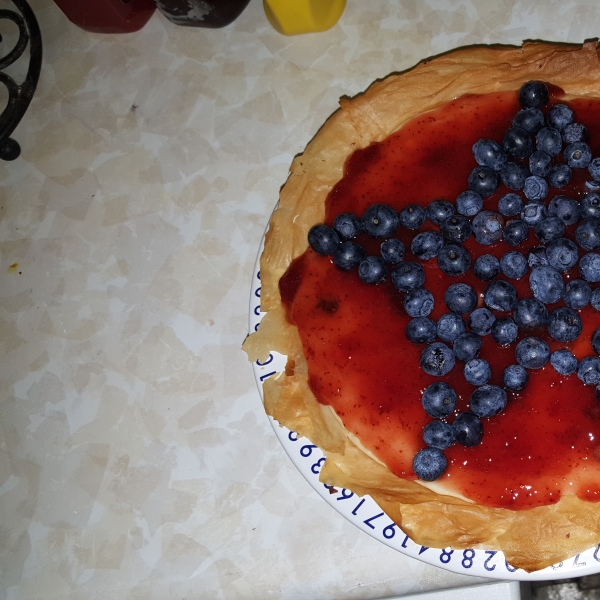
(19, 96)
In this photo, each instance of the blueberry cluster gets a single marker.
(527, 161)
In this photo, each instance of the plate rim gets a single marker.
(585, 563)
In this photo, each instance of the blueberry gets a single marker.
(590, 206)
(515, 378)
(439, 210)
(560, 115)
(595, 299)
(486, 267)
(477, 372)
(483, 180)
(532, 353)
(380, 220)
(420, 330)
(488, 153)
(589, 267)
(426, 245)
(323, 240)
(438, 434)
(504, 331)
(535, 188)
(454, 260)
(533, 213)
(392, 251)
(412, 216)
(517, 142)
(488, 401)
(418, 303)
(516, 232)
(461, 298)
(500, 295)
(372, 270)
(439, 400)
(589, 370)
(565, 324)
(407, 276)
(596, 341)
(546, 284)
(578, 294)
(537, 256)
(594, 168)
(469, 203)
(565, 208)
(530, 313)
(578, 155)
(559, 175)
(348, 255)
(564, 362)
(575, 132)
(533, 94)
(456, 228)
(549, 229)
(562, 254)
(468, 430)
(540, 163)
(347, 225)
(450, 326)
(587, 234)
(429, 464)
(467, 346)
(513, 264)
(529, 119)
(437, 359)
(549, 140)
(487, 227)
(481, 321)
(510, 204)
(514, 175)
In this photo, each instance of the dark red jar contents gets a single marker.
(108, 16)
(213, 14)
(547, 442)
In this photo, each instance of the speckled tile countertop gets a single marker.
(135, 459)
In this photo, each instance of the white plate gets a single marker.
(368, 516)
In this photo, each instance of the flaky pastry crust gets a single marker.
(530, 539)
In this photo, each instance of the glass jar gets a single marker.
(108, 16)
(202, 13)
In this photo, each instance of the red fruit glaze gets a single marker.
(547, 441)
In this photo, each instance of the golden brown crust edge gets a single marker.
(530, 539)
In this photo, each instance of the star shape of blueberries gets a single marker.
(552, 145)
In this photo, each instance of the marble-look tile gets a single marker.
(135, 460)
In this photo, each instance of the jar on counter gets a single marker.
(202, 13)
(292, 17)
(108, 16)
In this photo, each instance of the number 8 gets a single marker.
(468, 556)
(445, 556)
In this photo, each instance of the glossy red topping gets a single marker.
(547, 442)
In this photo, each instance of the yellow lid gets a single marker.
(292, 17)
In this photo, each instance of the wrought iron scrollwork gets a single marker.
(19, 95)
